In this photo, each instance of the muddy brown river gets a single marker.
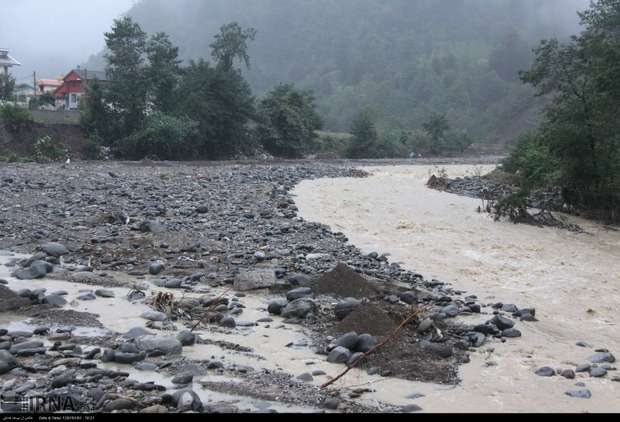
(573, 281)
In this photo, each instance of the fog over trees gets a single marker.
(398, 60)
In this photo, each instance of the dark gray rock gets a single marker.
(598, 372)
(299, 308)
(344, 308)
(450, 311)
(502, 323)
(305, 377)
(228, 322)
(354, 358)
(54, 300)
(137, 332)
(187, 400)
(183, 379)
(568, 374)
(580, 394)
(426, 325)
(7, 362)
(487, 329)
(165, 345)
(152, 315)
(348, 341)
(255, 280)
(128, 358)
(87, 296)
(602, 357)
(55, 249)
(511, 333)
(299, 293)
(156, 268)
(583, 368)
(545, 372)
(27, 345)
(365, 343)
(107, 294)
(187, 338)
(63, 380)
(339, 355)
(275, 307)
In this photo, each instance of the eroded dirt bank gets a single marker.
(573, 281)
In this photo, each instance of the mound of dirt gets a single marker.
(367, 319)
(406, 358)
(437, 183)
(9, 301)
(344, 281)
(48, 316)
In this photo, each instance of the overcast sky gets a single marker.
(54, 36)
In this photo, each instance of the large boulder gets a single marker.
(7, 362)
(187, 400)
(255, 280)
(299, 293)
(339, 355)
(154, 316)
(55, 249)
(299, 308)
(165, 345)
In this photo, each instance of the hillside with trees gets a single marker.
(400, 62)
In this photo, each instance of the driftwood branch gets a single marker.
(209, 309)
(392, 337)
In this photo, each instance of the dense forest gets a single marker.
(399, 61)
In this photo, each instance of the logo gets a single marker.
(16, 403)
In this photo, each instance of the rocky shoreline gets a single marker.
(193, 247)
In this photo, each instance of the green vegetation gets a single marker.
(7, 87)
(155, 107)
(15, 118)
(578, 144)
(402, 60)
(48, 150)
(288, 122)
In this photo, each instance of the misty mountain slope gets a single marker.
(401, 59)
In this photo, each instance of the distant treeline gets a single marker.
(398, 61)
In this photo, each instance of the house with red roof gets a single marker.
(74, 87)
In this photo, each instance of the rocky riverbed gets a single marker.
(143, 287)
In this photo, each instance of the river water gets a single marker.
(573, 281)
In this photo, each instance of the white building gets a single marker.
(6, 61)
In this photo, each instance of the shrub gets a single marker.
(164, 137)
(47, 150)
(15, 118)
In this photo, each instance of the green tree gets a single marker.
(232, 43)
(128, 90)
(288, 121)
(7, 86)
(162, 72)
(222, 104)
(436, 127)
(163, 137)
(97, 119)
(365, 137)
(581, 129)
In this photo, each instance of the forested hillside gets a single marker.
(400, 60)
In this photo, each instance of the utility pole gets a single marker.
(34, 79)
